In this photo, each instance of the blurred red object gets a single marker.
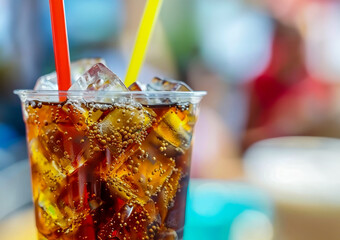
(285, 99)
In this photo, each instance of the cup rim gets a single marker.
(80, 93)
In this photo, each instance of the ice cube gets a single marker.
(124, 126)
(99, 77)
(168, 193)
(137, 87)
(45, 223)
(78, 68)
(50, 213)
(168, 149)
(133, 221)
(143, 99)
(142, 174)
(70, 209)
(81, 115)
(174, 129)
(66, 210)
(45, 175)
(51, 185)
(158, 84)
(63, 145)
(49, 81)
(167, 234)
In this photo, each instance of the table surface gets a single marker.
(20, 226)
(228, 201)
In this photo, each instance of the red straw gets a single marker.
(60, 43)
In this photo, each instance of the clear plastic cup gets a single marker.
(110, 165)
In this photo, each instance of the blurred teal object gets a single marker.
(222, 210)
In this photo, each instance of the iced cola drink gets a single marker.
(110, 165)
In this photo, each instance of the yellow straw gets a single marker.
(145, 29)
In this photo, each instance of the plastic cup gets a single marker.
(110, 165)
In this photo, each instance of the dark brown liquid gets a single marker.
(104, 171)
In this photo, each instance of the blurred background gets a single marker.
(271, 69)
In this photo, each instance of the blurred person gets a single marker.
(285, 99)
